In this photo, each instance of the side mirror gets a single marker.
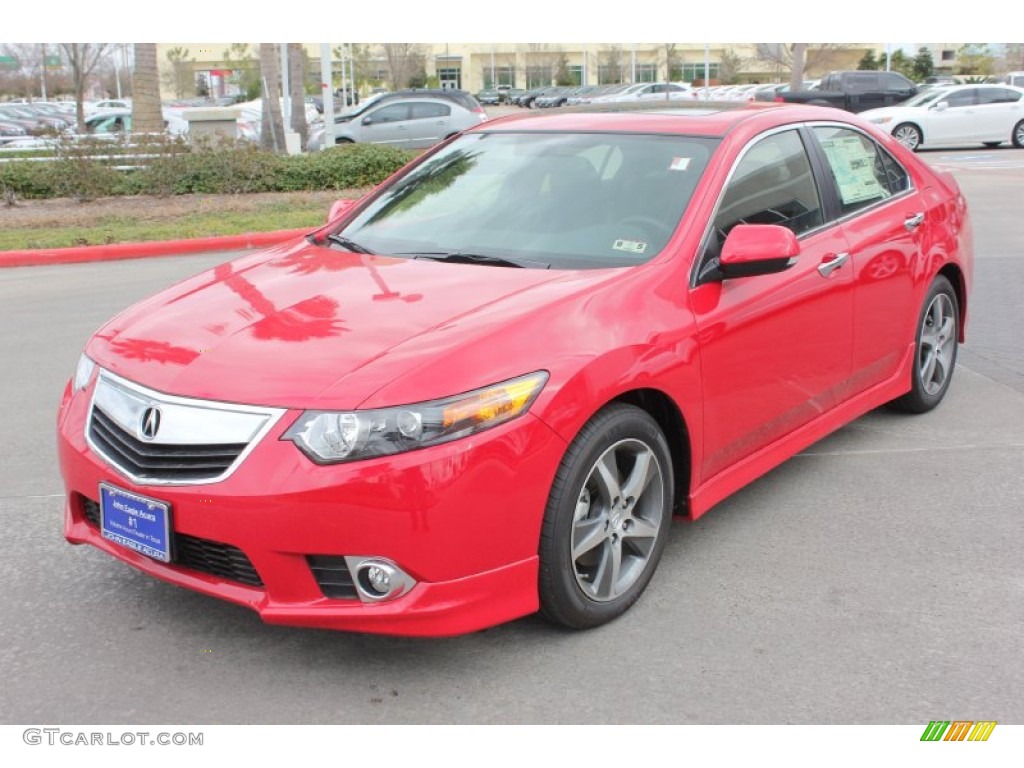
(758, 249)
(942, 106)
(367, 120)
(340, 207)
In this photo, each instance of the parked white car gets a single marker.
(956, 115)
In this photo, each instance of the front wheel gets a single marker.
(908, 135)
(607, 519)
(938, 331)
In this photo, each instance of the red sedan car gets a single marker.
(486, 388)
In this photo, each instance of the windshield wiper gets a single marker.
(461, 257)
(350, 245)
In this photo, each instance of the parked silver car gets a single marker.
(406, 119)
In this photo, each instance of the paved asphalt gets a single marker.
(876, 578)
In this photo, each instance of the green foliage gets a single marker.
(900, 63)
(868, 61)
(221, 167)
(924, 65)
(975, 59)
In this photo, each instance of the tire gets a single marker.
(935, 348)
(1018, 135)
(909, 135)
(342, 140)
(992, 144)
(612, 501)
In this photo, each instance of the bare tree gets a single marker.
(401, 59)
(147, 116)
(671, 57)
(543, 60)
(610, 60)
(83, 59)
(297, 66)
(813, 57)
(272, 124)
(25, 74)
(180, 76)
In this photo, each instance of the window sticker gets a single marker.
(853, 165)
(630, 246)
(679, 164)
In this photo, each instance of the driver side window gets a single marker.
(772, 184)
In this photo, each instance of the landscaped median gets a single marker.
(77, 207)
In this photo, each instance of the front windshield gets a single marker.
(565, 200)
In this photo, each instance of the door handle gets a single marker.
(831, 263)
(913, 222)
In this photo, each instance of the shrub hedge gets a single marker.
(88, 171)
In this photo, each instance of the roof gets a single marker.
(691, 121)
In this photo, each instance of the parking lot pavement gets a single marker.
(875, 578)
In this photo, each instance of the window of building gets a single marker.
(499, 75)
(646, 73)
(948, 54)
(690, 73)
(538, 77)
(610, 74)
(450, 77)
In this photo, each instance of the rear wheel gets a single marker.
(1018, 135)
(909, 135)
(938, 331)
(607, 519)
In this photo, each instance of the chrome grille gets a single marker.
(159, 439)
(154, 461)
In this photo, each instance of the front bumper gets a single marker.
(462, 519)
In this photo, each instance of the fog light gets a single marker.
(378, 579)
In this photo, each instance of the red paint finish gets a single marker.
(757, 367)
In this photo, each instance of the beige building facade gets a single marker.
(218, 68)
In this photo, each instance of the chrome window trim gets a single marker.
(878, 203)
(811, 125)
(232, 419)
(698, 261)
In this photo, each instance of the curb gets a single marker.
(84, 253)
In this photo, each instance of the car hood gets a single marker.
(306, 326)
(895, 112)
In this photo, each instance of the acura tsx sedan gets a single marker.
(485, 389)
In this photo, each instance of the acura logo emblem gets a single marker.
(150, 422)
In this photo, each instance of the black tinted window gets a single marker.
(772, 184)
(997, 96)
(894, 82)
(858, 82)
(963, 98)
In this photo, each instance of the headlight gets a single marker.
(329, 437)
(880, 120)
(83, 373)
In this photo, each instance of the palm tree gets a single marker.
(297, 86)
(272, 124)
(147, 116)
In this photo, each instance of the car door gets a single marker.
(998, 110)
(881, 215)
(775, 349)
(388, 124)
(429, 123)
(954, 123)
